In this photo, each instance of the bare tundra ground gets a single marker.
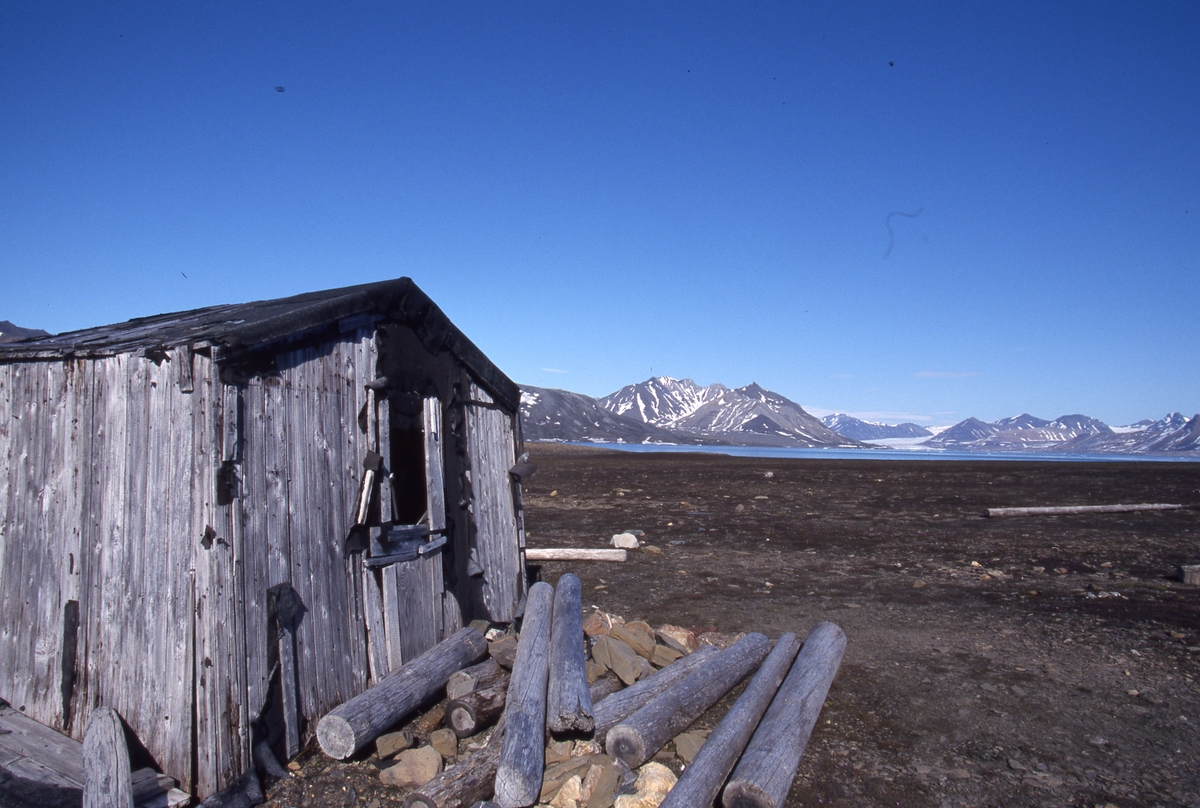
(1039, 661)
(1032, 661)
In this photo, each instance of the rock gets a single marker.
(625, 541)
(558, 751)
(482, 626)
(919, 584)
(687, 744)
(681, 639)
(651, 549)
(293, 766)
(557, 774)
(653, 782)
(414, 768)
(600, 785)
(619, 657)
(393, 743)
(718, 640)
(663, 656)
(432, 719)
(587, 749)
(504, 651)
(570, 795)
(635, 532)
(594, 670)
(445, 741)
(637, 635)
(599, 622)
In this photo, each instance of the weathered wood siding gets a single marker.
(97, 498)
(152, 502)
(491, 452)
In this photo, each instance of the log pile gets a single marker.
(569, 711)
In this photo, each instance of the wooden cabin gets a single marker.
(223, 523)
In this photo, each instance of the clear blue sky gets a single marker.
(600, 192)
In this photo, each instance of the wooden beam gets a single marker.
(573, 554)
(107, 781)
(362, 719)
(702, 779)
(765, 772)
(568, 701)
(642, 734)
(1077, 509)
(522, 756)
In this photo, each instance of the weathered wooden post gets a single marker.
(765, 772)
(568, 700)
(642, 734)
(349, 726)
(522, 753)
(701, 781)
(107, 781)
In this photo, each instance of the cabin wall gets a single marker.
(150, 503)
(97, 533)
(298, 461)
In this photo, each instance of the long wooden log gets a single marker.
(765, 772)
(464, 783)
(1074, 509)
(468, 714)
(522, 752)
(568, 700)
(107, 781)
(642, 734)
(362, 719)
(701, 781)
(624, 703)
(477, 677)
(573, 554)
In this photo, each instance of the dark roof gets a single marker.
(242, 328)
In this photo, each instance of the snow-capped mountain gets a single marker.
(661, 400)
(679, 411)
(1171, 434)
(559, 415)
(748, 416)
(851, 427)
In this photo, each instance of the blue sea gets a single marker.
(890, 454)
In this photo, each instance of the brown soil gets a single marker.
(1035, 661)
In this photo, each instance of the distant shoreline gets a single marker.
(880, 453)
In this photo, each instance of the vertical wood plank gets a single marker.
(492, 452)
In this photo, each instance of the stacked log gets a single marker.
(362, 719)
(765, 772)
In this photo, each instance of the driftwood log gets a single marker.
(107, 781)
(701, 781)
(624, 703)
(485, 675)
(1073, 509)
(469, 714)
(362, 719)
(522, 752)
(642, 734)
(765, 772)
(568, 700)
(573, 554)
(464, 783)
